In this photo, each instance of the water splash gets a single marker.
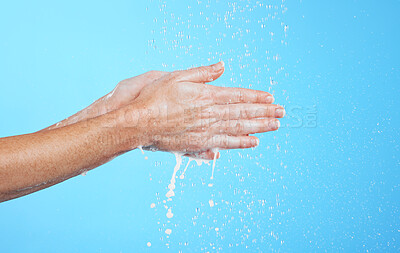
(250, 37)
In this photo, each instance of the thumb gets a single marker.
(203, 74)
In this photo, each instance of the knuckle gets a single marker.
(119, 85)
(122, 83)
(171, 78)
(203, 72)
(239, 127)
(273, 110)
(225, 142)
(153, 73)
(259, 96)
(240, 96)
(246, 114)
(175, 76)
(221, 141)
(259, 112)
(224, 114)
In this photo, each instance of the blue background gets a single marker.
(328, 180)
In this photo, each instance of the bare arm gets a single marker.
(35, 161)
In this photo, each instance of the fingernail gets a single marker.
(219, 66)
(280, 112)
(276, 124)
(270, 99)
(255, 142)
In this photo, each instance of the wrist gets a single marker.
(131, 127)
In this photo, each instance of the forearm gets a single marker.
(35, 161)
(98, 108)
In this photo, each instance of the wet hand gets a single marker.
(128, 90)
(180, 112)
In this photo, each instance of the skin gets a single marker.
(167, 111)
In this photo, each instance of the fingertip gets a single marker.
(280, 112)
(217, 70)
(255, 142)
(222, 65)
(251, 142)
(202, 74)
(276, 124)
(217, 67)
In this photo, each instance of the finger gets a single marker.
(247, 111)
(232, 142)
(205, 155)
(226, 95)
(202, 74)
(245, 127)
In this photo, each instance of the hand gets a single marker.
(179, 112)
(123, 94)
(128, 90)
